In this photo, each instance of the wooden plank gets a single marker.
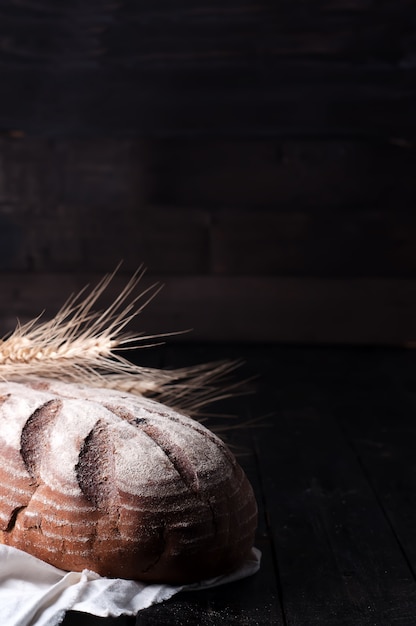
(315, 243)
(282, 176)
(360, 311)
(100, 172)
(74, 204)
(328, 526)
(382, 431)
(192, 69)
(286, 101)
(173, 240)
(202, 206)
(201, 34)
(212, 37)
(371, 395)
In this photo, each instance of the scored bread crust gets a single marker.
(119, 484)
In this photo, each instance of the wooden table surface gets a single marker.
(333, 464)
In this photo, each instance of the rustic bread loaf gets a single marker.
(119, 484)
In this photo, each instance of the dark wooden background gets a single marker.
(258, 157)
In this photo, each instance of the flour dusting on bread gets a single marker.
(119, 484)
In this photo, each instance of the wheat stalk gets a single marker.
(82, 345)
(188, 389)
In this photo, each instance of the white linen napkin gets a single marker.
(35, 593)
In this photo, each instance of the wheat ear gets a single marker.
(82, 345)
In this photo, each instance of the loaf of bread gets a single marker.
(119, 484)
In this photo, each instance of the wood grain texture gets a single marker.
(250, 142)
(351, 311)
(270, 208)
(326, 529)
(332, 409)
(280, 175)
(364, 103)
(383, 445)
(194, 69)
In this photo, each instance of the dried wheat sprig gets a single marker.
(187, 389)
(75, 334)
(82, 345)
(78, 343)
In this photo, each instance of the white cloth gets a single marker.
(35, 593)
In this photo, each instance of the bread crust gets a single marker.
(119, 484)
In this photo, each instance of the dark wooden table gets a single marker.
(333, 465)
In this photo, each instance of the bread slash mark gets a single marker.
(35, 434)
